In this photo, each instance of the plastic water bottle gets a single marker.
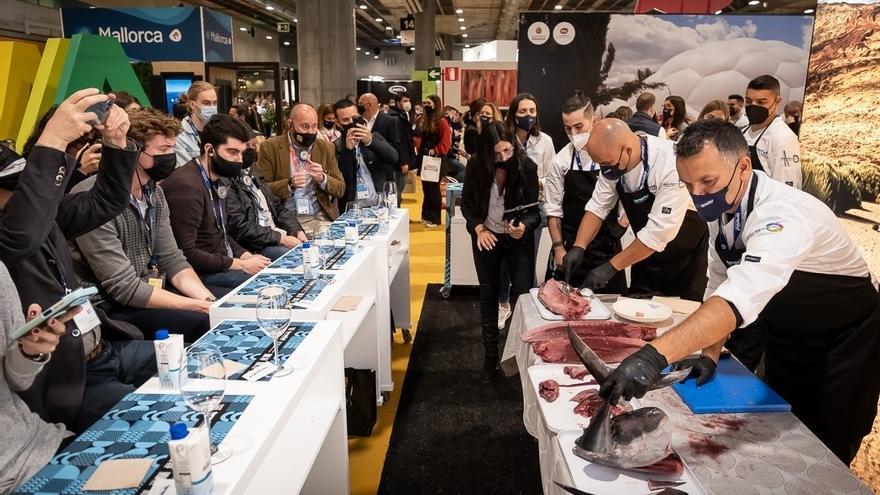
(351, 237)
(310, 269)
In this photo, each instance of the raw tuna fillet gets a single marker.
(549, 390)
(587, 329)
(576, 372)
(589, 403)
(609, 349)
(570, 305)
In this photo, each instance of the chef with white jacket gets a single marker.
(779, 256)
(773, 146)
(668, 255)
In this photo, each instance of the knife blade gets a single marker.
(571, 489)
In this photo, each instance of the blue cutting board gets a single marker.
(734, 389)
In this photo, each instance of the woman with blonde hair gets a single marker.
(715, 109)
(201, 103)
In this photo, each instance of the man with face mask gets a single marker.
(668, 255)
(387, 127)
(258, 220)
(735, 105)
(302, 170)
(196, 195)
(201, 103)
(570, 182)
(402, 112)
(773, 147)
(780, 256)
(134, 257)
(363, 155)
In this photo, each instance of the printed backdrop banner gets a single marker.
(150, 34)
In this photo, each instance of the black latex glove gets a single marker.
(572, 260)
(600, 276)
(702, 367)
(634, 376)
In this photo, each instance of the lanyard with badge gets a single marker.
(298, 162)
(576, 158)
(643, 178)
(362, 192)
(87, 320)
(737, 219)
(148, 221)
(216, 198)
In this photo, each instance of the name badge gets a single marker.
(362, 192)
(303, 206)
(87, 320)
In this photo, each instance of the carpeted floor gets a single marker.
(453, 434)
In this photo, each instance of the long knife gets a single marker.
(571, 489)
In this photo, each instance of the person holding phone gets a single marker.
(363, 156)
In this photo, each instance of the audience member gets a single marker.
(454, 166)
(363, 156)
(773, 147)
(523, 121)
(472, 130)
(735, 105)
(624, 113)
(302, 170)
(86, 149)
(201, 101)
(715, 109)
(645, 118)
(674, 117)
(433, 137)
(134, 256)
(387, 127)
(418, 111)
(793, 112)
(402, 112)
(196, 195)
(126, 101)
(103, 360)
(327, 121)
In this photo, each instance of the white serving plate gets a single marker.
(641, 310)
(598, 310)
(595, 478)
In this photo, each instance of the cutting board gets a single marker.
(733, 390)
(598, 310)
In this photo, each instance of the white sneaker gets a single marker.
(430, 225)
(503, 314)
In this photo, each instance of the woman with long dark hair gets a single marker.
(674, 116)
(433, 137)
(500, 177)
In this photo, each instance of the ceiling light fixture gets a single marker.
(269, 7)
(462, 27)
(459, 11)
(363, 7)
(242, 28)
(286, 43)
(378, 19)
(268, 37)
(376, 57)
(558, 7)
(718, 12)
(809, 11)
(461, 19)
(388, 28)
(467, 46)
(295, 19)
(357, 48)
(754, 2)
(465, 35)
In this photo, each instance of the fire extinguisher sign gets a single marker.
(451, 74)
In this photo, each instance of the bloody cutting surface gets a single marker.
(588, 403)
(612, 341)
(569, 304)
(549, 389)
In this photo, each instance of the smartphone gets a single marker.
(101, 109)
(68, 302)
(359, 120)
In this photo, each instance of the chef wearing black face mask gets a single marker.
(773, 147)
(668, 255)
(780, 256)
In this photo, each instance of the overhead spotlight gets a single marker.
(461, 19)
(463, 28)
(718, 12)
(295, 19)
(377, 50)
(378, 19)
(409, 50)
(398, 36)
(376, 57)
(268, 37)
(269, 7)
(357, 48)
(465, 35)
(558, 6)
(243, 29)
(754, 2)
(809, 11)
(363, 7)
(459, 11)
(286, 43)
(388, 28)
(467, 46)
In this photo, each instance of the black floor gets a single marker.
(453, 434)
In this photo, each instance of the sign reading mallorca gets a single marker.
(148, 34)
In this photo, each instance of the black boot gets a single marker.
(490, 363)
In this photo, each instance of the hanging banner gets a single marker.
(218, 36)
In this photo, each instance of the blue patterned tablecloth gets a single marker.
(298, 288)
(245, 343)
(365, 230)
(293, 259)
(136, 428)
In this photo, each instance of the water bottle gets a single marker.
(310, 270)
(169, 351)
(191, 460)
(351, 237)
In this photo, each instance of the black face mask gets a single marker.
(305, 139)
(667, 114)
(757, 114)
(224, 167)
(485, 121)
(429, 110)
(163, 166)
(328, 124)
(248, 158)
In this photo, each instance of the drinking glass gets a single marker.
(390, 189)
(325, 248)
(273, 315)
(353, 209)
(202, 385)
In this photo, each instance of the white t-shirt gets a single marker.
(671, 199)
(788, 230)
(495, 216)
(779, 152)
(540, 149)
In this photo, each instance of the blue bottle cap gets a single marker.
(178, 431)
(307, 245)
(161, 334)
(352, 223)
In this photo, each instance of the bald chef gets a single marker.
(782, 256)
(669, 253)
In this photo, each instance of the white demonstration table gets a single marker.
(770, 453)
(292, 437)
(364, 330)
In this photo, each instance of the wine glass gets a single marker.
(325, 248)
(202, 385)
(390, 189)
(273, 316)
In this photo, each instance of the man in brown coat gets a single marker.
(302, 170)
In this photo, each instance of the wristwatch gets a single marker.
(37, 358)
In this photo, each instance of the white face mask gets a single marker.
(406, 106)
(579, 140)
(206, 112)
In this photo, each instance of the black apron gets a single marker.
(578, 188)
(753, 149)
(680, 270)
(822, 343)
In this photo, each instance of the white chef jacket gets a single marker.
(554, 183)
(540, 149)
(788, 230)
(671, 200)
(779, 152)
(742, 122)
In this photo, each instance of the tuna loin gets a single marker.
(571, 305)
(610, 349)
(612, 341)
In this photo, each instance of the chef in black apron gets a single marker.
(781, 256)
(773, 146)
(568, 186)
(668, 256)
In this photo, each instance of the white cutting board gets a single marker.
(595, 478)
(559, 415)
(598, 310)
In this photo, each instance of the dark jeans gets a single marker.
(431, 203)
(191, 324)
(274, 252)
(230, 279)
(118, 370)
(400, 180)
(519, 256)
(456, 169)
